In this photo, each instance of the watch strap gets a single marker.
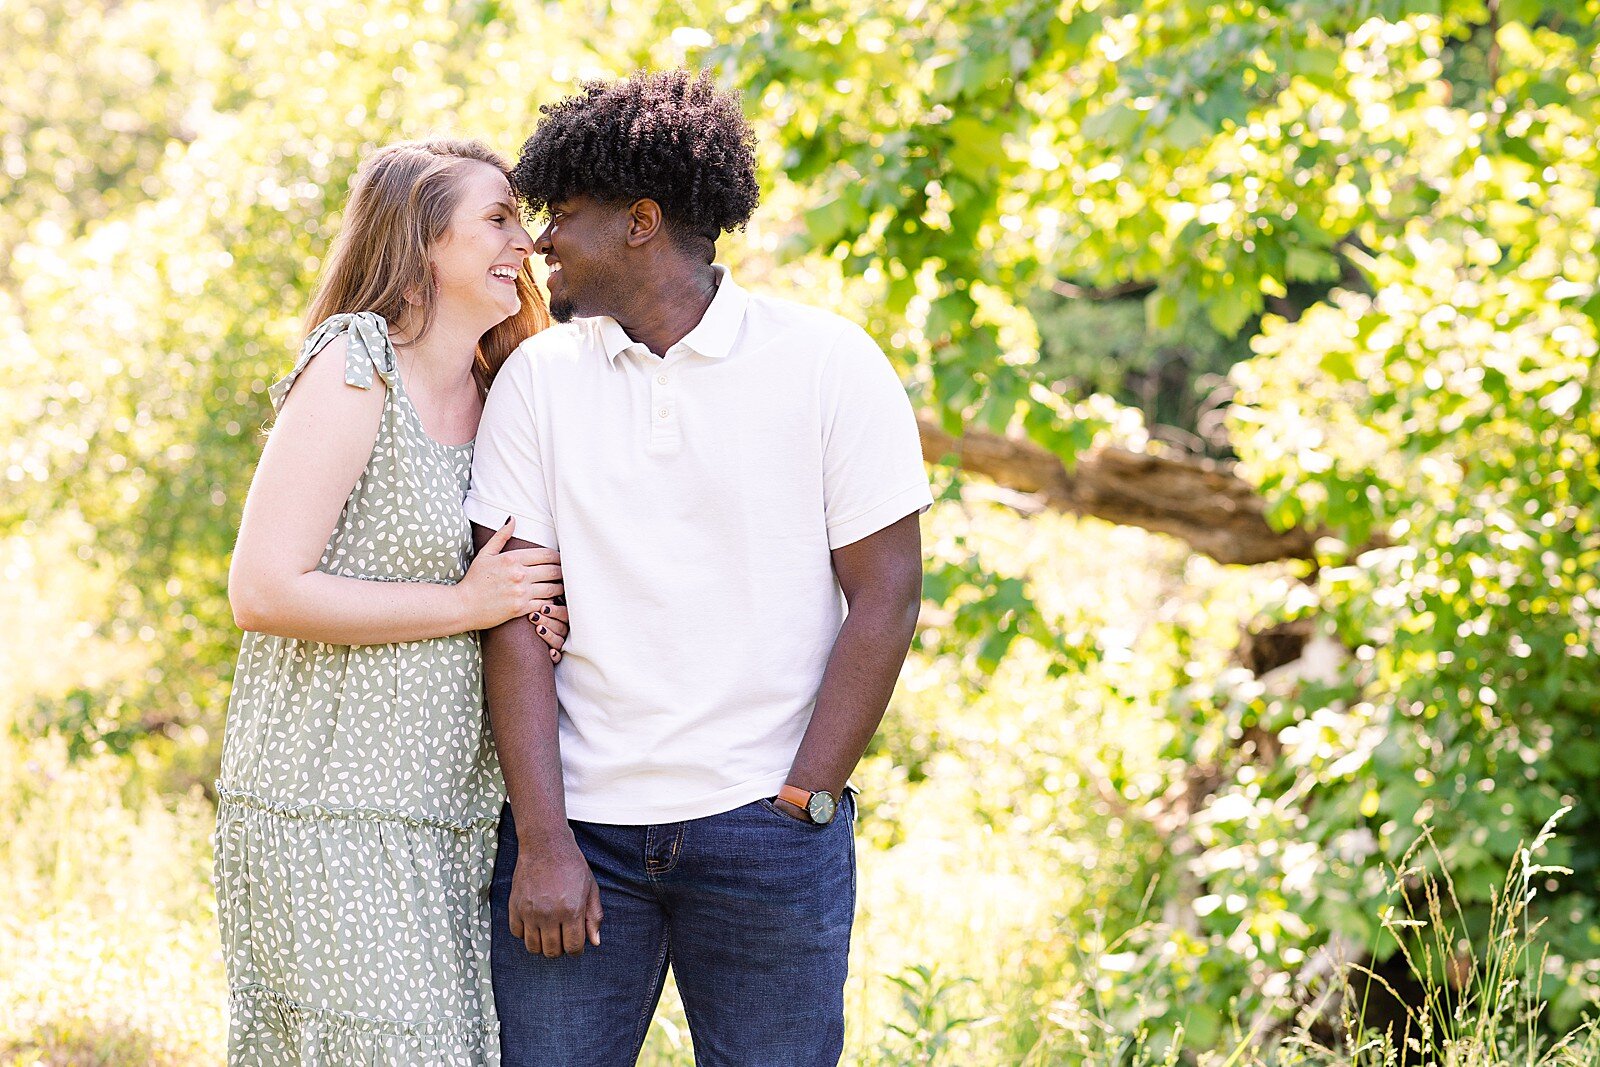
(800, 798)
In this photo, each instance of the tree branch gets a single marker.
(1073, 291)
(1197, 501)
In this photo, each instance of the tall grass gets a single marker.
(1480, 1002)
(1469, 1003)
(997, 889)
(108, 955)
(108, 948)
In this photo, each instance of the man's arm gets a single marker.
(881, 576)
(555, 903)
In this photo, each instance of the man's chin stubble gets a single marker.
(561, 310)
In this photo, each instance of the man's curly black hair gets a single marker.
(672, 136)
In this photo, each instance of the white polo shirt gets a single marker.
(695, 499)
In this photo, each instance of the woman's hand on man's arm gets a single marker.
(319, 446)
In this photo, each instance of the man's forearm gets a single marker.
(881, 577)
(860, 678)
(519, 681)
(519, 684)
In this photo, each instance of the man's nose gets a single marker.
(541, 244)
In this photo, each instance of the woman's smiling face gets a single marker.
(477, 259)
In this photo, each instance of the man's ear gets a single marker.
(644, 222)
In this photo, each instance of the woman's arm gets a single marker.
(318, 447)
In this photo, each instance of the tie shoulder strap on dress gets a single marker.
(369, 350)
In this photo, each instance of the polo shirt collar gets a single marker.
(613, 337)
(712, 336)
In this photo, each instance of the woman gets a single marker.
(359, 791)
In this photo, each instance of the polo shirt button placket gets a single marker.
(663, 426)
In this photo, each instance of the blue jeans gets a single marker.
(750, 908)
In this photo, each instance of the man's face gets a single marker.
(580, 245)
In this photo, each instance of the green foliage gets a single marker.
(1392, 206)
(1432, 168)
(91, 98)
(169, 268)
(1450, 414)
(1439, 165)
(987, 613)
(108, 949)
(928, 1020)
(1174, 376)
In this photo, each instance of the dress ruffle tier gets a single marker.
(279, 1029)
(324, 895)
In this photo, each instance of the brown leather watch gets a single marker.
(819, 806)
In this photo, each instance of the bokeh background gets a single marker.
(1255, 346)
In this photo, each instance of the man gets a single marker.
(715, 468)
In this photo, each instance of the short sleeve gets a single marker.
(873, 474)
(507, 465)
(368, 352)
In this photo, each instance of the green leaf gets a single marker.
(1231, 309)
(1524, 11)
(1187, 130)
(1311, 264)
(1590, 308)
(1319, 66)
(830, 222)
(1339, 364)
(1112, 127)
(1161, 310)
(975, 146)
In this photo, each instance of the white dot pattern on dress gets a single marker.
(359, 790)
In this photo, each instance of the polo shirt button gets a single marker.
(662, 378)
(662, 413)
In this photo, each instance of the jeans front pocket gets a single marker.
(766, 804)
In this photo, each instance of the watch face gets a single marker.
(820, 808)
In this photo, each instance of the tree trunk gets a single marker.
(1197, 501)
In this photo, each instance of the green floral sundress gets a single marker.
(359, 789)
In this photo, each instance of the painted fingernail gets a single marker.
(545, 609)
(541, 629)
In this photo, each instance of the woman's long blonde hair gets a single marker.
(400, 204)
